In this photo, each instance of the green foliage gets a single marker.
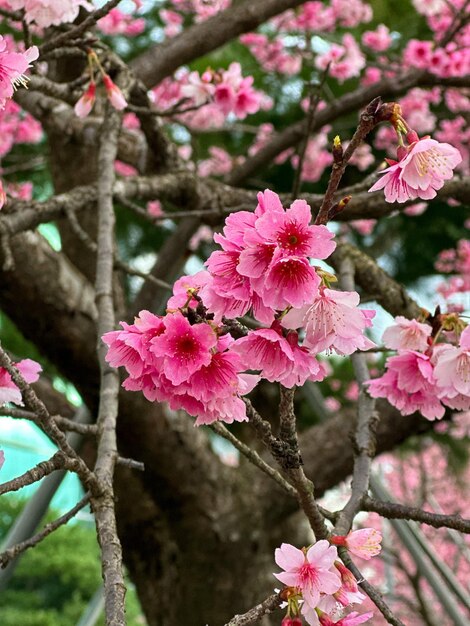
(54, 581)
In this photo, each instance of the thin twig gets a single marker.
(11, 553)
(253, 457)
(314, 101)
(369, 589)
(257, 612)
(368, 120)
(131, 463)
(47, 423)
(393, 510)
(64, 423)
(36, 473)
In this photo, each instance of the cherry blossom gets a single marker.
(278, 358)
(50, 12)
(332, 321)
(452, 369)
(86, 102)
(407, 335)
(115, 95)
(13, 65)
(409, 385)
(309, 570)
(287, 621)
(378, 40)
(428, 164)
(421, 170)
(183, 348)
(364, 543)
(118, 23)
(9, 392)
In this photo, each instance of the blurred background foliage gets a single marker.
(55, 581)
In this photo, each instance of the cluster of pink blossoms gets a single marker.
(118, 23)
(214, 95)
(318, 579)
(421, 169)
(46, 13)
(9, 392)
(197, 360)
(425, 376)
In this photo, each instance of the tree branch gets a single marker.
(393, 510)
(103, 505)
(257, 612)
(11, 553)
(367, 418)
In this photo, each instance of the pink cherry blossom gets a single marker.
(348, 580)
(2, 458)
(50, 12)
(452, 368)
(428, 164)
(418, 53)
(183, 348)
(86, 102)
(309, 570)
(199, 89)
(115, 95)
(395, 188)
(130, 347)
(292, 233)
(378, 40)
(277, 358)
(332, 321)
(409, 385)
(118, 23)
(9, 392)
(13, 65)
(364, 543)
(407, 335)
(290, 281)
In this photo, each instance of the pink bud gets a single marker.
(291, 621)
(347, 577)
(401, 152)
(85, 104)
(114, 94)
(412, 136)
